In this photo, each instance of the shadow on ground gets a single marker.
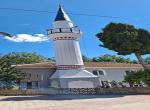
(57, 97)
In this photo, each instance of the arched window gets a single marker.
(99, 72)
(128, 72)
(95, 72)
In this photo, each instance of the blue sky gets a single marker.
(18, 23)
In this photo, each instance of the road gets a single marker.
(76, 102)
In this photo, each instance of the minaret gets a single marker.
(70, 71)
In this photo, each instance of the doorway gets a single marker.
(29, 85)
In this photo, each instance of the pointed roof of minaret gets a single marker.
(61, 15)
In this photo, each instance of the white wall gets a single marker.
(43, 75)
(68, 52)
(111, 74)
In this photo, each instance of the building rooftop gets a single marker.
(36, 65)
(111, 65)
(87, 65)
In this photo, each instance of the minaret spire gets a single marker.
(61, 15)
(61, 5)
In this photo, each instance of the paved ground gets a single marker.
(80, 102)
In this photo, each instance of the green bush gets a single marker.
(138, 77)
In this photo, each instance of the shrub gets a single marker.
(138, 77)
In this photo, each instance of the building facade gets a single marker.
(70, 71)
(39, 75)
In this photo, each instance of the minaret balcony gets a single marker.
(64, 30)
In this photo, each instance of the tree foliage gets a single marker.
(85, 58)
(23, 58)
(9, 75)
(126, 39)
(138, 77)
(112, 58)
(147, 60)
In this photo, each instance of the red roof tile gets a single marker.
(87, 64)
(36, 65)
(111, 64)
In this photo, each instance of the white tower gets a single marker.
(70, 71)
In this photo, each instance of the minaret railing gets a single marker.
(64, 30)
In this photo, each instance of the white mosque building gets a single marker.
(69, 70)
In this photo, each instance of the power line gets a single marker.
(19, 9)
(79, 14)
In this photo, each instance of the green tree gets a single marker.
(95, 59)
(126, 39)
(23, 58)
(112, 58)
(9, 75)
(138, 77)
(147, 60)
(85, 58)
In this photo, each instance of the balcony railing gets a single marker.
(64, 30)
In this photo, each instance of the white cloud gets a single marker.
(28, 38)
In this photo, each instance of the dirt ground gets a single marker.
(76, 102)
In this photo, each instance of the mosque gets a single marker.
(69, 70)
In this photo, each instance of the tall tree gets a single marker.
(8, 74)
(126, 39)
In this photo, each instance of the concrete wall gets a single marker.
(111, 74)
(40, 75)
(6, 92)
(131, 90)
(97, 91)
(79, 83)
(44, 74)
